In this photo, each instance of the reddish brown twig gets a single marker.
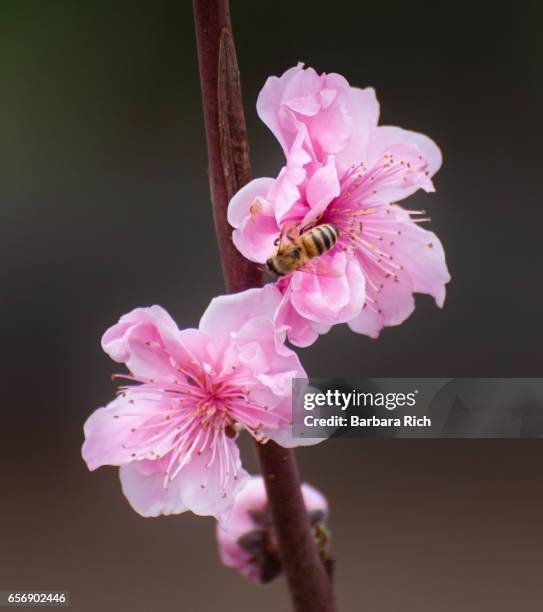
(229, 169)
(226, 134)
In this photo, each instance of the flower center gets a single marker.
(198, 411)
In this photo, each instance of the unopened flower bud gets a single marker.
(247, 540)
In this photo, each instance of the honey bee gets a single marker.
(296, 252)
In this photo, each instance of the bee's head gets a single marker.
(271, 268)
(285, 261)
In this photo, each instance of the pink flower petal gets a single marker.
(421, 253)
(240, 205)
(283, 435)
(154, 323)
(254, 219)
(411, 148)
(146, 493)
(301, 331)
(269, 105)
(394, 305)
(111, 437)
(285, 193)
(256, 237)
(331, 129)
(321, 189)
(364, 110)
(195, 488)
(330, 299)
(228, 313)
(420, 256)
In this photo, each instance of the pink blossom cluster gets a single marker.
(187, 394)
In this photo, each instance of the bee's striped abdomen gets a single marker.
(319, 240)
(329, 234)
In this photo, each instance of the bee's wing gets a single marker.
(320, 268)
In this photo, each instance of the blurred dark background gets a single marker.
(105, 206)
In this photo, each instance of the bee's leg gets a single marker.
(289, 234)
(277, 241)
(309, 225)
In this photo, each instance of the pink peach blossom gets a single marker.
(344, 169)
(247, 541)
(173, 432)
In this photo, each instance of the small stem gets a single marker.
(229, 170)
(308, 579)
